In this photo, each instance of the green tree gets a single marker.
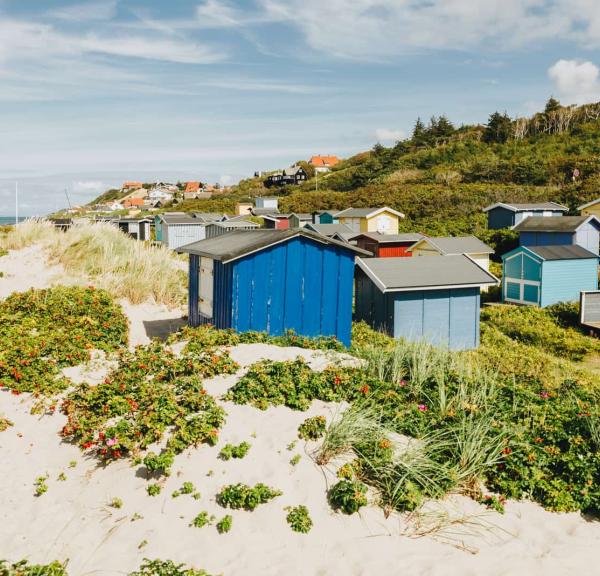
(498, 128)
(552, 105)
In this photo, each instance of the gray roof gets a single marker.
(265, 211)
(363, 212)
(554, 206)
(209, 216)
(330, 229)
(427, 272)
(235, 224)
(175, 219)
(562, 224)
(391, 238)
(588, 204)
(449, 245)
(292, 170)
(239, 243)
(568, 252)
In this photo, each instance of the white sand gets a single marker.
(72, 520)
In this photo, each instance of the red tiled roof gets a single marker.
(192, 186)
(132, 184)
(324, 161)
(133, 202)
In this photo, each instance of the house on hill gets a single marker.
(386, 245)
(591, 208)
(506, 215)
(132, 185)
(273, 281)
(383, 220)
(324, 163)
(267, 202)
(470, 246)
(133, 203)
(434, 299)
(568, 230)
(291, 175)
(325, 217)
(545, 275)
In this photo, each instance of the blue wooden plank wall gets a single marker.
(372, 305)
(298, 285)
(546, 238)
(440, 317)
(500, 218)
(563, 280)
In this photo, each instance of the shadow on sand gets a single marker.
(162, 329)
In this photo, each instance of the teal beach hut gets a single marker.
(545, 275)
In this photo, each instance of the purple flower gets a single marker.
(111, 441)
(422, 408)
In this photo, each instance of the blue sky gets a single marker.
(96, 92)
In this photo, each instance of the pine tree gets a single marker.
(498, 129)
(552, 105)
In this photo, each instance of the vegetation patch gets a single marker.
(5, 423)
(224, 524)
(202, 519)
(312, 428)
(151, 394)
(295, 385)
(207, 336)
(24, 568)
(242, 496)
(230, 451)
(299, 519)
(348, 497)
(166, 568)
(47, 330)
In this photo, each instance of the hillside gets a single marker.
(442, 176)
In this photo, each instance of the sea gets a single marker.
(10, 220)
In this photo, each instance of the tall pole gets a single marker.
(16, 203)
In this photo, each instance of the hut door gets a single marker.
(206, 287)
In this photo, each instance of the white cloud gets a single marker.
(386, 135)
(576, 82)
(86, 11)
(217, 14)
(381, 29)
(20, 40)
(87, 186)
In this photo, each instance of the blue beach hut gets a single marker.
(506, 214)
(545, 275)
(435, 299)
(273, 281)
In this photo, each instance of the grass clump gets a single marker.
(230, 451)
(116, 503)
(151, 393)
(312, 428)
(187, 489)
(224, 524)
(125, 267)
(47, 330)
(242, 496)
(295, 460)
(299, 519)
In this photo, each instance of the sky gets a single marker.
(96, 92)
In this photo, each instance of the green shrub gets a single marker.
(150, 394)
(153, 489)
(299, 519)
(238, 496)
(51, 329)
(348, 496)
(231, 451)
(224, 524)
(23, 568)
(312, 428)
(5, 423)
(202, 519)
(159, 463)
(40, 485)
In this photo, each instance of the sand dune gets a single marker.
(74, 521)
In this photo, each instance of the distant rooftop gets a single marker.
(549, 206)
(567, 252)
(563, 224)
(449, 245)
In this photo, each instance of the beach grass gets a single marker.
(125, 267)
